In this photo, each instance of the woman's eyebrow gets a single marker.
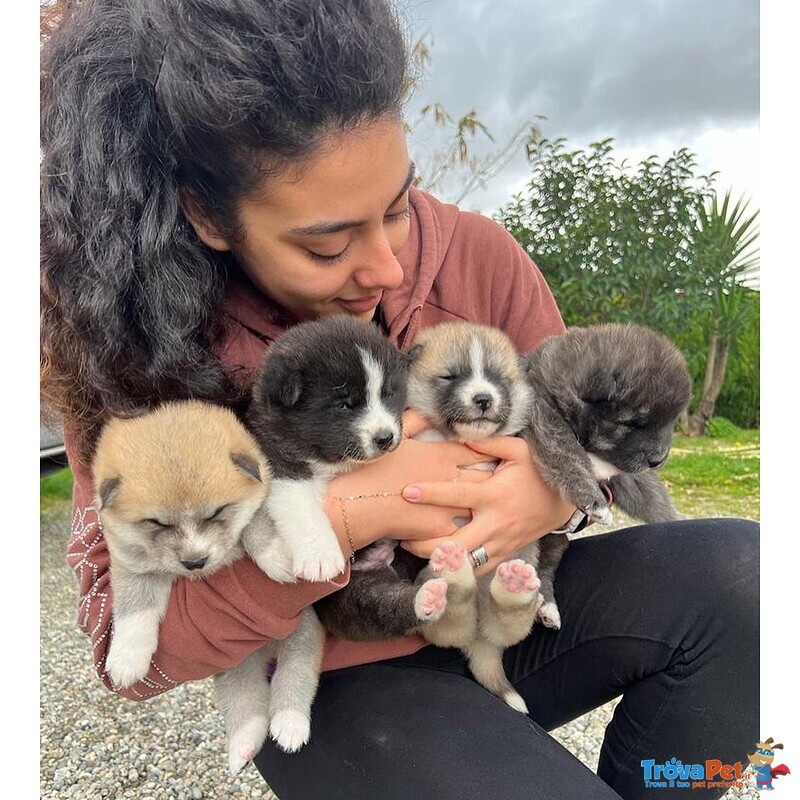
(321, 228)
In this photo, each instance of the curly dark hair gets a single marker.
(141, 99)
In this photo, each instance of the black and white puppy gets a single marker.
(328, 397)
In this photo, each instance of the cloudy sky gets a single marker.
(654, 75)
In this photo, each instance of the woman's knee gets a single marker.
(713, 566)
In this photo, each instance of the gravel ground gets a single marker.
(96, 745)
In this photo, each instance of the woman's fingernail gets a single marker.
(404, 545)
(412, 493)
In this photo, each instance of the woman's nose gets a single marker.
(380, 268)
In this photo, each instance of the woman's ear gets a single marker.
(206, 230)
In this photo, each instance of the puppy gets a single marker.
(467, 380)
(180, 493)
(606, 399)
(328, 397)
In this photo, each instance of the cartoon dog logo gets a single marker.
(761, 758)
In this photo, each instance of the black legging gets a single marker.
(665, 615)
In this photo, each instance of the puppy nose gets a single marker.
(483, 401)
(383, 439)
(196, 563)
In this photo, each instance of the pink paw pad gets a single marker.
(448, 555)
(432, 597)
(518, 576)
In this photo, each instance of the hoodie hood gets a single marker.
(433, 224)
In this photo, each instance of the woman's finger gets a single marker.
(506, 448)
(413, 423)
(464, 493)
(424, 549)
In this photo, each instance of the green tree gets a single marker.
(725, 253)
(648, 243)
(613, 241)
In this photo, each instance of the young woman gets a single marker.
(214, 173)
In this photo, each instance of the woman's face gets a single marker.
(325, 241)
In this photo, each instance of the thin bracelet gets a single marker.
(344, 514)
(347, 531)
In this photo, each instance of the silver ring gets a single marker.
(478, 556)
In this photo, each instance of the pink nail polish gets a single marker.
(412, 492)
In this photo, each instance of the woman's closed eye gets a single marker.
(332, 258)
(328, 259)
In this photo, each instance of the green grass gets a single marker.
(55, 491)
(716, 477)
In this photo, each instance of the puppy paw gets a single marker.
(549, 615)
(275, 560)
(245, 742)
(451, 561)
(128, 662)
(600, 512)
(431, 600)
(322, 563)
(515, 583)
(290, 729)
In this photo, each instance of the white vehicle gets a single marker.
(52, 453)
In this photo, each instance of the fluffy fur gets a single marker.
(468, 381)
(606, 399)
(630, 385)
(180, 493)
(329, 396)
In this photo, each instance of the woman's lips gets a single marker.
(360, 306)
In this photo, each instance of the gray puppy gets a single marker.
(606, 399)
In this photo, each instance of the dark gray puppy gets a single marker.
(605, 402)
(329, 396)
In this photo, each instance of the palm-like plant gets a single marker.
(726, 255)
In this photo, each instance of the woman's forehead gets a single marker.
(354, 173)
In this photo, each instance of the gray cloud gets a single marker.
(631, 69)
(616, 66)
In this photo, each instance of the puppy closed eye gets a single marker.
(214, 515)
(346, 403)
(157, 523)
(596, 397)
(634, 424)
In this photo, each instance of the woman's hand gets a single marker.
(367, 504)
(510, 509)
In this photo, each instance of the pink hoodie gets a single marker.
(457, 265)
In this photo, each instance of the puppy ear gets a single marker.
(283, 381)
(601, 387)
(247, 464)
(414, 352)
(108, 490)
